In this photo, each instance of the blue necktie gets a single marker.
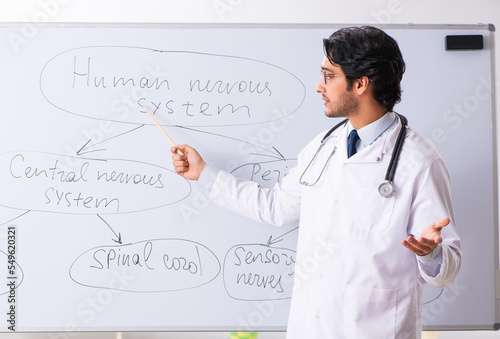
(353, 139)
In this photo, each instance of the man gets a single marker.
(383, 249)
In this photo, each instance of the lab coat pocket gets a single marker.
(370, 312)
(374, 212)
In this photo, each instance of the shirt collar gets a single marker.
(369, 133)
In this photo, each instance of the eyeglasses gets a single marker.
(326, 76)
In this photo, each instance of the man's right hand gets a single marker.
(190, 164)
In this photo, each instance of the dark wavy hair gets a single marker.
(368, 51)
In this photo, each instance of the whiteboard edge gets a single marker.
(495, 176)
(14, 24)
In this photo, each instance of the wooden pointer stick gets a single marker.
(157, 124)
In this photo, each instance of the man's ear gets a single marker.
(362, 84)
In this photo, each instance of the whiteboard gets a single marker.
(104, 236)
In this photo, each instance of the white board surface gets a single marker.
(109, 238)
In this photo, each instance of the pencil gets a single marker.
(161, 128)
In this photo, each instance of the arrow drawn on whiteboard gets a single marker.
(276, 240)
(15, 218)
(275, 153)
(87, 148)
(279, 157)
(118, 236)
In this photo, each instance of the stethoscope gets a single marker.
(386, 187)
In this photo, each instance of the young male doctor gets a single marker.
(384, 249)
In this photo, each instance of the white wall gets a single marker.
(253, 11)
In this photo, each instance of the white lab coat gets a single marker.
(353, 277)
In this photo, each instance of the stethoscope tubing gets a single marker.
(386, 187)
(391, 169)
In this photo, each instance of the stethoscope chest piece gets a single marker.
(385, 189)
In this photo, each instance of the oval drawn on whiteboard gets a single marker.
(58, 183)
(160, 265)
(256, 272)
(190, 89)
